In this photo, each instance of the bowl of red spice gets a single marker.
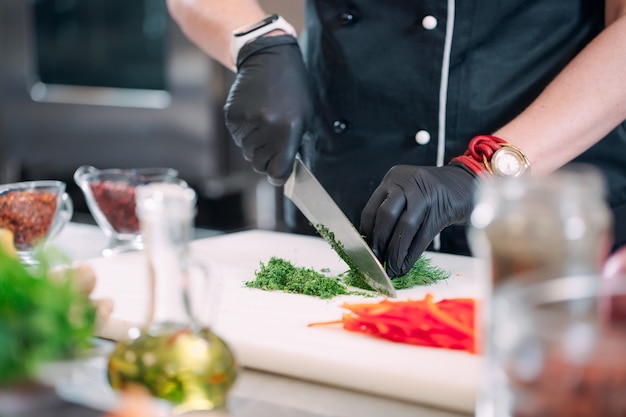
(35, 211)
(110, 196)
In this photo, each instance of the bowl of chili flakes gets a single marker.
(35, 212)
(110, 197)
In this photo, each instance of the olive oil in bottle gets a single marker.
(194, 370)
(175, 355)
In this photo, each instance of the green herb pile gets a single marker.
(40, 319)
(422, 273)
(281, 275)
(354, 274)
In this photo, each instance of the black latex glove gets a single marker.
(410, 207)
(269, 105)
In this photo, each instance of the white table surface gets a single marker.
(256, 393)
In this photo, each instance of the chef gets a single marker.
(399, 107)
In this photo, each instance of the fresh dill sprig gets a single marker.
(422, 273)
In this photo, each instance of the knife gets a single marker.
(321, 211)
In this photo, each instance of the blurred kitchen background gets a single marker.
(115, 84)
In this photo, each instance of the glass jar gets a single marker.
(551, 226)
(175, 355)
(532, 230)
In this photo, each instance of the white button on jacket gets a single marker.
(429, 22)
(422, 137)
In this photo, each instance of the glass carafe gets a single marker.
(175, 355)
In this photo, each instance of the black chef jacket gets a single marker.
(411, 82)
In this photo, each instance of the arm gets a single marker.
(210, 23)
(581, 105)
(576, 110)
(269, 104)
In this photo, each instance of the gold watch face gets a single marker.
(508, 162)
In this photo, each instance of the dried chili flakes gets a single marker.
(28, 214)
(448, 323)
(116, 200)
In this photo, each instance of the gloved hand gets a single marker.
(269, 105)
(410, 207)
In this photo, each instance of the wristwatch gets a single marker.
(248, 33)
(493, 155)
(508, 161)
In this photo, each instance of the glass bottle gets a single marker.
(175, 354)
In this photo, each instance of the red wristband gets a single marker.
(479, 152)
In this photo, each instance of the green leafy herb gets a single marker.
(40, 319)
(281, 275)
(422, 273)
(354, 274)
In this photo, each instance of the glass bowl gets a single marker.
(35, 212)
(110, 196)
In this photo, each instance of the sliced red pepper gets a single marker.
(447, 323)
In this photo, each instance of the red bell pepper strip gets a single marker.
(448, 323)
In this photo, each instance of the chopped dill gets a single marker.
(353, 273)
(281, 275)
(422, 273)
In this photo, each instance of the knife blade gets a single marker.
(321, 211)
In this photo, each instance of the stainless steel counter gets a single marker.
(255, 394)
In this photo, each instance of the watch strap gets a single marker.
(244, 35)
(480, 151)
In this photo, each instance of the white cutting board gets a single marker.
(268, 330)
